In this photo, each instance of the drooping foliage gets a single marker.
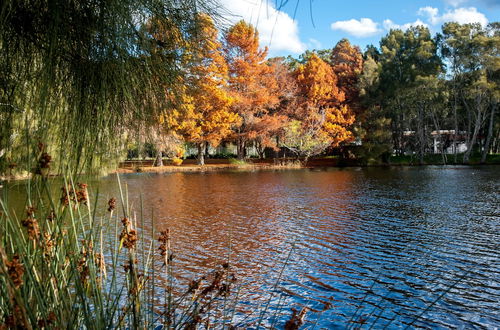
(74, 72)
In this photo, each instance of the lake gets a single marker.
(370, 246)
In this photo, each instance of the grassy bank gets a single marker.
(190, 165)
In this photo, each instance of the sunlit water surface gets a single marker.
(374, 246)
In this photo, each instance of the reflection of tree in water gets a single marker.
(254, 216)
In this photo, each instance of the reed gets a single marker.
(58, 271)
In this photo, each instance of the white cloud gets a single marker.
(277, 29)
(429, 12)
(314, 44)
(459, 15)
(365, 27)
(455, 3)
(388, 25)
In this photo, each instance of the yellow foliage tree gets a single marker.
(252, 83)
(202, 113)
(324, 118)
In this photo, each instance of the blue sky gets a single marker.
(363, 22)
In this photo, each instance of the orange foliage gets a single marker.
(251, 82)
(347, 64)
(203, 111)
(323, 112)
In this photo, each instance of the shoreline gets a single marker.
(190, 168)
(206, 168)
(221, 165)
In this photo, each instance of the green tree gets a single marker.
(373, 127)
(405, 56)
(472, 52)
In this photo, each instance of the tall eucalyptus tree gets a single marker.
(407, 56)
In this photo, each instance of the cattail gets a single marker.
(128, 236)
(50, 320)
(48, 244)
(15, 269)
(164, 239)
(129, 266)
(194, 285)
(44, 161)
(82, 266)
(81, 193)
(99, 262)
(65, 195)
(51, 216)
(15, 319)
(30, 211)
(111, 204)
(31, 224)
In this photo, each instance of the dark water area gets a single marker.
(374, 246)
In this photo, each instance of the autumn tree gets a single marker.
(251, 83)
(202, 113)
(271, 125)
(322, 120)
(347, 64)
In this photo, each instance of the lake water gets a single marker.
(371, 246)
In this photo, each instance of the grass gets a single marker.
(235, 161)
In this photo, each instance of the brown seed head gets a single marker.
(111, 204)
(51, 216)
(129, 238)
(15, 269)
(31, 225)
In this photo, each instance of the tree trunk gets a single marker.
(489, 136)
(159, 159)
(207, 153)
(241, 148)
(455, 121)
(421, 134)
(260, 149)
(477, 126)
(438, 129)
(472, 141)
(201, 154)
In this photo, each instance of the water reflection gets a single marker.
(375, 246)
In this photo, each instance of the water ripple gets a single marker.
(379, 245)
